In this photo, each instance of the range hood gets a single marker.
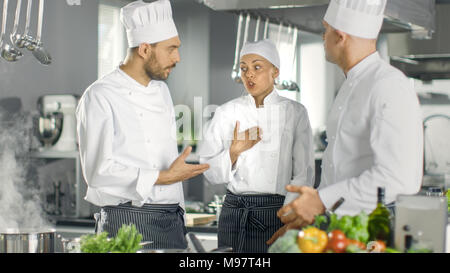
(424, 59)
(416, 17)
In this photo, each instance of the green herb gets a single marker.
(354, 227)
(95, 243)
(391, 250)
(128, 240)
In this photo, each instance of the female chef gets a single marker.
(257, 144)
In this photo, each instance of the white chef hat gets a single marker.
(360, 18)
(264, 48)
(148, 22)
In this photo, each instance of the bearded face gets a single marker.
(163, 59)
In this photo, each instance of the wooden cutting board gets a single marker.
(196, 219)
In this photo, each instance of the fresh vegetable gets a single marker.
(357, 243)
(337, 242)
(95, 243)
(286, 243)
(354, 227)
(392, 250)
(128, 240)
(376, 246)
(354, 249)
(312, 240)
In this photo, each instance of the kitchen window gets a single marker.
(112, 40)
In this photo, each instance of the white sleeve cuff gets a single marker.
(145, 182)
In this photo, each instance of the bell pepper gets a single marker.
(312, 240)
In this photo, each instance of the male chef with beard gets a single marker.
(127, 134)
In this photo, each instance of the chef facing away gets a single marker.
(126, 131)
(374, 128)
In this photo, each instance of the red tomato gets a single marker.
(337, 241)
(337, 245)
(336, 235)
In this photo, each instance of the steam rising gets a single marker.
(20, 206)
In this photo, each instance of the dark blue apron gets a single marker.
(247, 221)
(161, 223)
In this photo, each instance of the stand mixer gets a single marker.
(57, 122)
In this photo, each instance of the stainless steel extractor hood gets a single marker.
(424, 59)
(414, 16)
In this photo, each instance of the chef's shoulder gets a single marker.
(391, 84)
(293, 107)
(101, 91)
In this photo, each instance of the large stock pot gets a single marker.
(27, 241)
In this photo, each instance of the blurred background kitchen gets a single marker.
(79, 41)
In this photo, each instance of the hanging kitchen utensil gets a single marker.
(278, 84)
(25, 40)
(235, 71)
(8, 51)
(266, 28)
(236, 74)
(258, 21)
(14, 34)
(293, 86)
(39, 51)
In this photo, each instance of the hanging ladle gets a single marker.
(266, 28)
(235, 71)
(258, 22)
(39, 51)
(278, 83)
(293, 86)
(25, 40)
(236, 74)
(8, 51)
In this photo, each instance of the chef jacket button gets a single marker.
(273, 155)
(129, 93)
(147, 140)
(141, 115)
(340, 107)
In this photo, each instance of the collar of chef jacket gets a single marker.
(357, 70)
(137, 87)
(271, 98)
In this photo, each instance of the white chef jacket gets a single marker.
(284, 156)
(126, 133)
(375, 138)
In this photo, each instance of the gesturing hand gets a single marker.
(243, 141)
(180, 170)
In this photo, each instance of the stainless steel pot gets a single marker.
(27, 241)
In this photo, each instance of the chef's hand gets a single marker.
(300, 212)
(242, 141)
(180, 171)
(305, 207)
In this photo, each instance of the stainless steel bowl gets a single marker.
(50, 127)
(27, 241)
